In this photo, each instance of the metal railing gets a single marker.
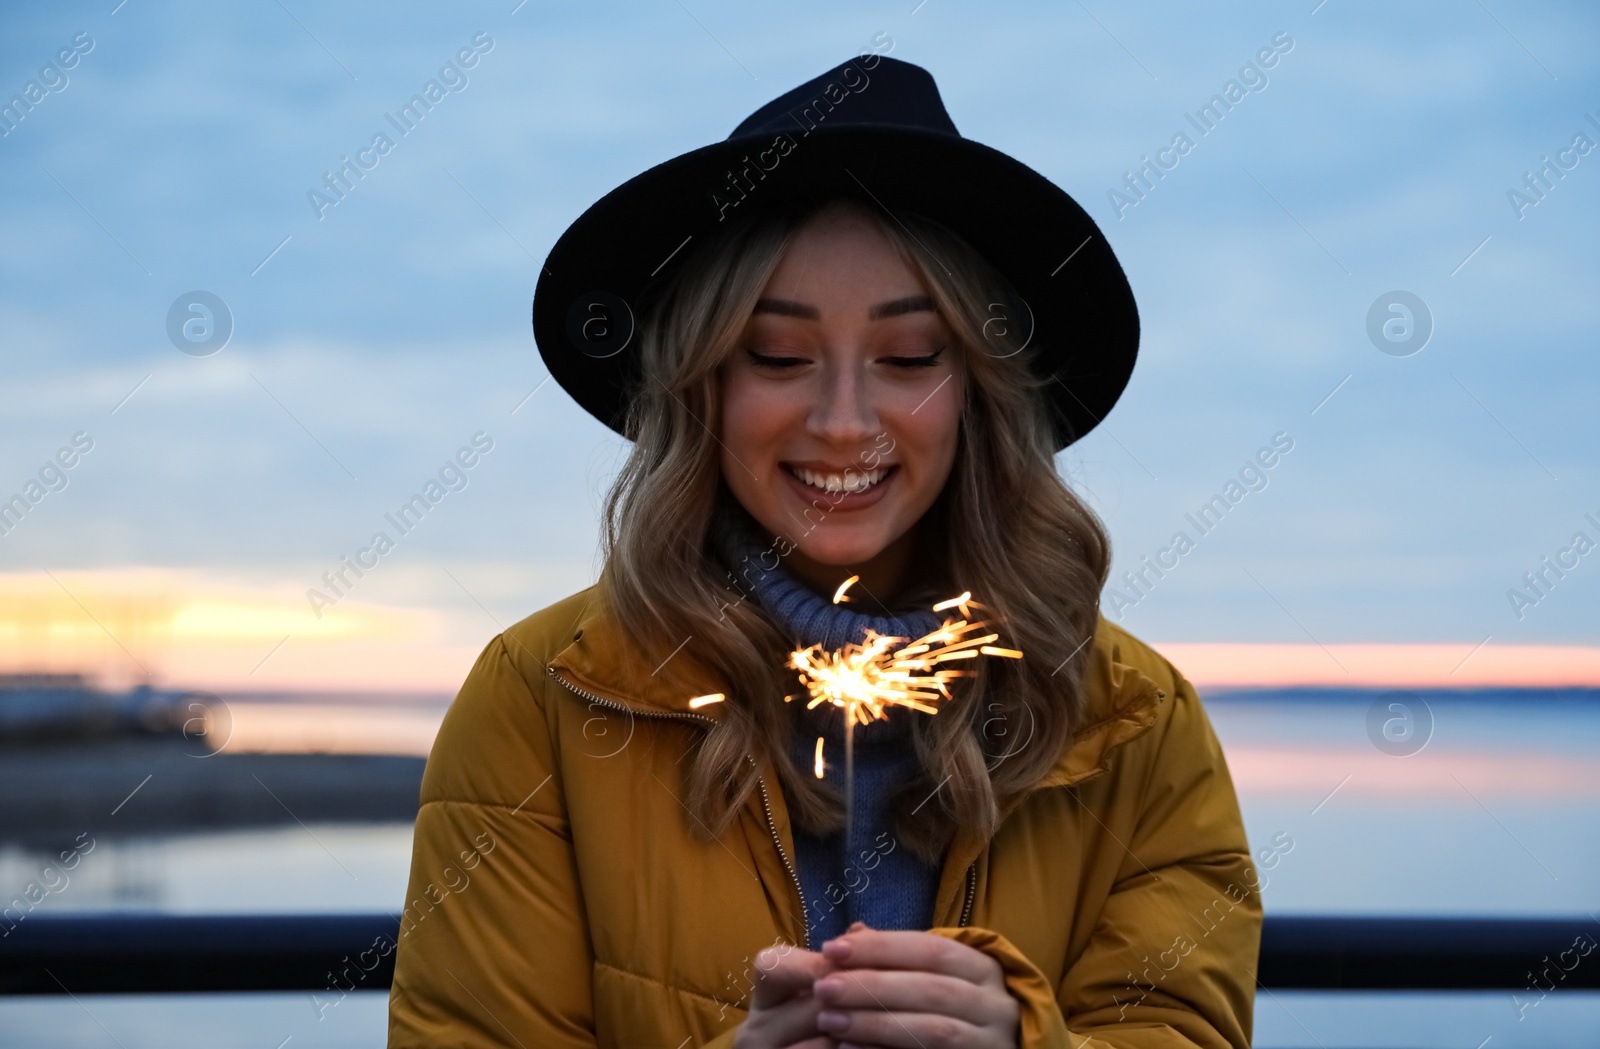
(156, 954)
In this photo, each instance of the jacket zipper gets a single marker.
(766, 806)
(627, 709)
(972, 888)
(805, 924)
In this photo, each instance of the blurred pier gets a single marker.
(75, 759)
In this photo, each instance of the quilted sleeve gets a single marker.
(1172, 960)
(1042, 1025)
(493, 947)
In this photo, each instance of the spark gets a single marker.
(954, 602)
(838, 595)
(865, 680)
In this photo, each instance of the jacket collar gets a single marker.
(1121, 703)
(598, 658)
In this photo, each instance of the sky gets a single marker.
(1383, 159)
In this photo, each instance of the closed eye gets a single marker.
(924, 361)
(764, 360)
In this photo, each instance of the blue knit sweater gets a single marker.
(870, 877)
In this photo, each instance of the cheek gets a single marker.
(930, 433)
(756, 419)
(738, 411)
(749, 417)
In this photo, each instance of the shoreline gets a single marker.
(51, 791)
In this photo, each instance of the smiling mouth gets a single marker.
(850, 482)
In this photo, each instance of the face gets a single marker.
(841, 403)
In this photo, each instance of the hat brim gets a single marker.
(1084, 323)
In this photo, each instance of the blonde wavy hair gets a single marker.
(1006, 527)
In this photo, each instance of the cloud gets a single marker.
(380, 338)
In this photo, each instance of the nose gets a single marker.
(844, 414)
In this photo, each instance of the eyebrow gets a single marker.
(892, 308)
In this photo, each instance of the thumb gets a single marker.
(785, 971)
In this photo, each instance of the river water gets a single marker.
(1408, 803)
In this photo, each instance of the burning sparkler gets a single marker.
(865, 680)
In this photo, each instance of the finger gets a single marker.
(898, 990)
(897, 949)
(791, 1023)
(902, 1030)
(781, 972)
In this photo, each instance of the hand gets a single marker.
(783, 1011)
(913, 989)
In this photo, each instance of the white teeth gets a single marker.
(851, 482)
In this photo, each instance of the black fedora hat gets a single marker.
(875, 129)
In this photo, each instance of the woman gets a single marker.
(845, 387)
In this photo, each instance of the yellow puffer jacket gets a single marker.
(558, 897)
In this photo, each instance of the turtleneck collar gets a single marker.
(805, 616)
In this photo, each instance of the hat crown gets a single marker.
(870, 128)
(867, 90)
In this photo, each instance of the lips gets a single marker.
(851, 481)
(852, 489)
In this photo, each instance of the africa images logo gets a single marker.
(341, 181)
(850, 79)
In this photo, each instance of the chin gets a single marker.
(842, 550)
